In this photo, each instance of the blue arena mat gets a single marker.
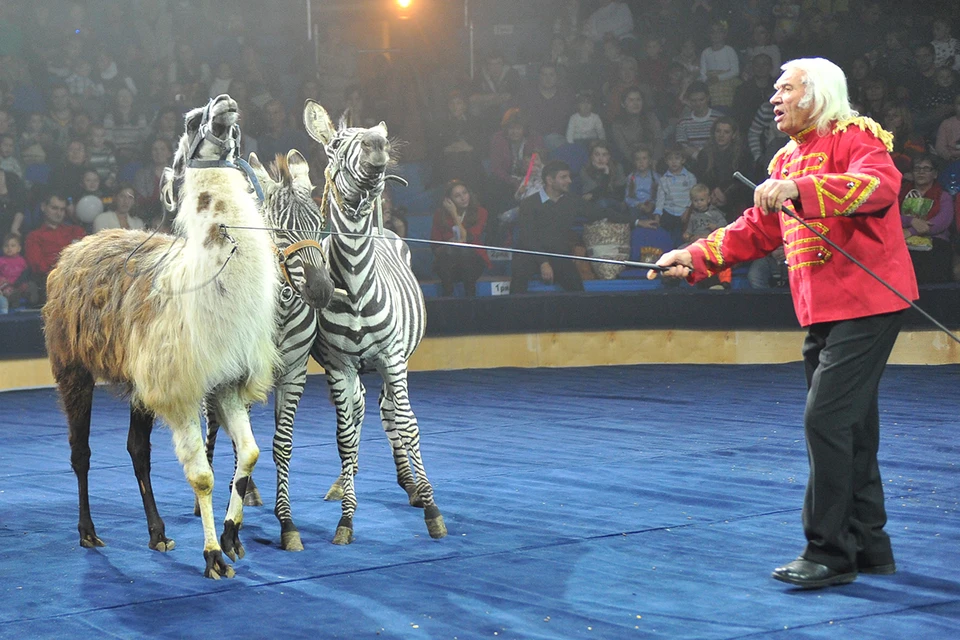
(605, 502)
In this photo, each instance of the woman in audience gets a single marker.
(459, 220)
(636, 126)
(457, 150)
(125, 126)
(716, 163)
(603, 181)
(146, 182)
(926, 212)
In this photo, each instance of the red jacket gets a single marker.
(443, 230)
(44, 245)
(848, 191)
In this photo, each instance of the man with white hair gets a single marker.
(837, 175)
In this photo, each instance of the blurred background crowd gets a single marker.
(632, 114)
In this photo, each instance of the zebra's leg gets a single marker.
(287, 396)
(348, 397)
(405, 423)
(76, 385)
(213, 428)
(138, 446)
(236, 422)
(400, 458)
(189, 446)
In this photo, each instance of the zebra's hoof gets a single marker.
(216, 567)
(435, 525)
(344, 535)
(335, 493)
(290, 541)
(252, 497)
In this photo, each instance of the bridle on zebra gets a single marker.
(284, 254)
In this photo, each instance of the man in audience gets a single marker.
(552, 104)
(693, 130)
(278, 136)
(545, 223)
(44, 245)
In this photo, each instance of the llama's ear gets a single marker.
(317, 122)
(258, 169)
(383, 126)
(297, 163)
(167, 196)
(192, 120)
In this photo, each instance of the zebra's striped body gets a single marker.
(296, 221)
(380, 321)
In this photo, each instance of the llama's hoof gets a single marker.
(216, 567)
(435, 526)
(335, 493)
(344, 534)
(230, 540)
(289, 536)
(252, 497)
(91, 541)
(162, 543)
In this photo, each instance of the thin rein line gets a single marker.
(467, 245)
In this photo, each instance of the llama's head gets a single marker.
(211, 138)
(357, 159)
(289, 209)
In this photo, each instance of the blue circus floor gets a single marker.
(610, 502)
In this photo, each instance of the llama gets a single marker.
(174, 321)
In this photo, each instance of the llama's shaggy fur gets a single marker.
(172, 327)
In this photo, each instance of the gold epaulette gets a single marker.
(790, 146)
(867, 124)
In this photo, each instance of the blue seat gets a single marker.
(575, 155)
(37, 173)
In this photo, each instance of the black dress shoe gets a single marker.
(878, 569)
(807, 574)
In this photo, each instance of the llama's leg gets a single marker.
(213, 428)
(138, 446)
(405, 422)
(400, 458)
(76, 391)
(236, 422)
(348, 397)
(287, 396)
(190, 451)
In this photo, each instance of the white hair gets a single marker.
(826, 90)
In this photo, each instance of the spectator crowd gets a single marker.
(624, 131)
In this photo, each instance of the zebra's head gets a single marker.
(211, 137)
(289, 209)
(357, 160)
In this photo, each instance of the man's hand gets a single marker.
(680, 262)
(546, 273)
(771, 194)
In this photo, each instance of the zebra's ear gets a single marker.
(297, 164)
(382, 125)
(317, 122)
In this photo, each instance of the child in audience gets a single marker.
(12, 266)
(673, 194)
(641, 195)
(101, 156)
(8, 155)
(585, 126)
(699, 220)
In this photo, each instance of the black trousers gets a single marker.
(843, 512)
(524, 267)
(455, 265)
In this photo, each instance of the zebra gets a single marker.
(296, 222)
(377, 323)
